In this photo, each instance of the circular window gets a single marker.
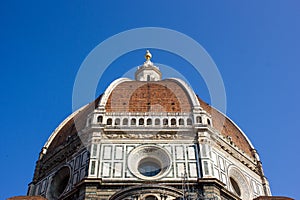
(149, 162)
(149, 167)
(238, 183)
(235, 186)
(59, 182)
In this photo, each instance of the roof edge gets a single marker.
(109, 90)
(61, 125)
(189, 90)
(241, 131)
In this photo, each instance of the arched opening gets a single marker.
(125, 121)
(109, 121)
(198, 119)
(117, 121)
(208, 121)
(100, 119)
(157, 122)
(173, 121)
(181, 121)
(165, 121)
(149, 121)
(141, 121)
(189, 121)
(133, 122)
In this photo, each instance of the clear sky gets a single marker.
(255, 45)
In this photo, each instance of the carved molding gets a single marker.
(146, 136)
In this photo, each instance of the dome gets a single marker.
(148, 138)
(67, 129)
(159, 96)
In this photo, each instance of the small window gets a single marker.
(148, 77)
(109, 121)
(149, 121)
(133, 121)
(181, 121)
(189, 121)
(125, 121)
(117, 121)
(199, 120)
(157, 122)
(100, 119)
(141, 121)
(165, 122)
(208, 121)
(173, 121)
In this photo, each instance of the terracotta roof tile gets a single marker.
(70, 129)
(138, 96)
(227, 128)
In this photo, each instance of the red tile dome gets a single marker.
(159, 96)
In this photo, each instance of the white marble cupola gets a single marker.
(148, 71)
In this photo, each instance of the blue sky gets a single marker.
(255, 45)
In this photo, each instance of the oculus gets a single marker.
(235, 186)
(149, 162)
(59, 182)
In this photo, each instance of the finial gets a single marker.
(148, 55)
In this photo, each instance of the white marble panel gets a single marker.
(191, 153)
(214, 158)
(119, 152)
(216, 173)
(254, 186)
(179, 152)
(118, 170)
(106, 169)
(223, 178)
(180, 169)
(192, 170)
(107, 151)
(221, 161)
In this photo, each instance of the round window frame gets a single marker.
(234, 184)
(55, 184)
(237, 175)
(138, 154)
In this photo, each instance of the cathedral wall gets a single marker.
(74, 172)
(226, 168)
(117, 161)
